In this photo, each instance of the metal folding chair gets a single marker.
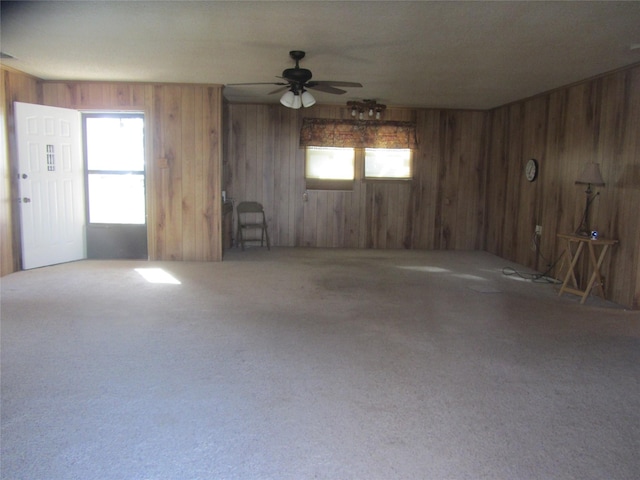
(251, 217)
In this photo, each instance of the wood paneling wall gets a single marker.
(184, 158)
(594, 121)
(443, 208)
(469, 190)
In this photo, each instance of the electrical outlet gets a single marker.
(538, 230)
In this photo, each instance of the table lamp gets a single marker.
(590, 176)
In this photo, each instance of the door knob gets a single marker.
(26, 200)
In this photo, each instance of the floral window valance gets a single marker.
(323, 132)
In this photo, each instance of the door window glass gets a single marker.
(115, 169)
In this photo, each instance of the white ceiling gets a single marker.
(451, 54)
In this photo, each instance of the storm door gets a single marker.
(115, 186)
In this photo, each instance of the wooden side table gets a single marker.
(595, 261)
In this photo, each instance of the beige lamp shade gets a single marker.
(591, 176)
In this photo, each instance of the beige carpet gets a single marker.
(314, 364)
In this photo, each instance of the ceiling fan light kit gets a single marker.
(295, 100)
(298, 80)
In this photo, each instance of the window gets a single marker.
(329, 168)
(387, 163)
(333, 168)
(115, 168)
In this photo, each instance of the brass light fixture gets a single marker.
(366, 109)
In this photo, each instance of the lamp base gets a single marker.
(583, 229)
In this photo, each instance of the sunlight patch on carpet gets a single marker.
(157, 275)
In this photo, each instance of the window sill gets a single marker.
(387, 180)
(320, 184)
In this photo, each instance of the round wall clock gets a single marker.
(531, 170)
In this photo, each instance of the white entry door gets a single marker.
(51, 183)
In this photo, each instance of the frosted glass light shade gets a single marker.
(288, 99)
(307, 99)
(295, 101)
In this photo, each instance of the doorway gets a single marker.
(115, 185)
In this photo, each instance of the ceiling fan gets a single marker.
(296, 82)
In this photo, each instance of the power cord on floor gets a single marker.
(536, 277)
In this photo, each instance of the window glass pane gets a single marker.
(330, 163)
(387, 163)
(116, 198)
(115, 144)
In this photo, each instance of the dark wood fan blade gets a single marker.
(335, 84)
(326, 89)
(255, 83)
(277, 90)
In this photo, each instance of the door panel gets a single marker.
(51, 185)
(113, 241)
